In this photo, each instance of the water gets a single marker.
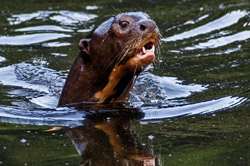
(191, 107)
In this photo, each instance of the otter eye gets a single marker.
(124, 24)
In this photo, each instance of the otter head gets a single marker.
(111, 58)
(126, 37)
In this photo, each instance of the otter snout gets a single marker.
(146, 26)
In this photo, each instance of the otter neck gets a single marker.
(91, 84)
(118, 86)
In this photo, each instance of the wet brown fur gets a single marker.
(106, 67)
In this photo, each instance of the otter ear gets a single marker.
(84, 45)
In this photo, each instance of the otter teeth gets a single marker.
(153, 48)
(144, 50)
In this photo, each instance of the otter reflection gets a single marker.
(108, 139)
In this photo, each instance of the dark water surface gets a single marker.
(191, 107)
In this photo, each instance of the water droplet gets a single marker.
(151, 137)
(23, 140)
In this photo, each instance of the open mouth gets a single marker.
(147, 48)
(145, 55)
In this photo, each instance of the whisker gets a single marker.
(123, 55)
(135, 68)
(116, 57)
(158, 58)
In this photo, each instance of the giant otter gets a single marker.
(110, 59)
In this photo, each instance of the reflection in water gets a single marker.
(110, 140)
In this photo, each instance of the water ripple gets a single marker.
(64, 17)
(214, 43)
(55, 117)
(56, 44)
(44, 28)
(225, 21)
(193, 109)
(71, 117)
(151, 88)
(197, 20)
(69, 17)
(30, 39)
(9, 78)
(2, 59)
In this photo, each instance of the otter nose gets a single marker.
(147, 25)
(143, 27)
